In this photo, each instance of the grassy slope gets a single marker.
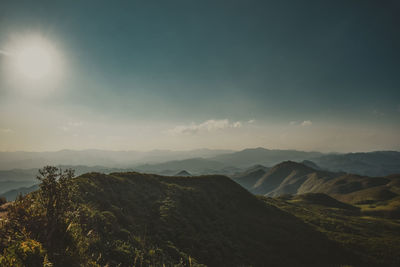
(210, 218)
(286, 178)
(374, 239)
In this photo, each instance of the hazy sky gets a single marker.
(184, 74)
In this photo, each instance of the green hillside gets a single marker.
(133, 219)
(373, 239)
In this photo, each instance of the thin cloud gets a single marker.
(207, 126)
(303, 123)
(251, 121)
(306, 123)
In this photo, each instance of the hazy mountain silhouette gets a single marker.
(11, 195)
(250, 176)
(311, 164)
(267, 157)
(381, 163)
(94, 157)
(378, 163)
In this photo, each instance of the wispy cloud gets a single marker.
(303, 123)
(207, 126)
(306, 123)
(251, 121)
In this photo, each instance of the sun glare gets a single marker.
(34, 60)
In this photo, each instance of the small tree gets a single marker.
(36, 225)
(55, 197)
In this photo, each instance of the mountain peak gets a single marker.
(183, 173)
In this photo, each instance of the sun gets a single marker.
(34, 59)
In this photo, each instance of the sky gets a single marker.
(188, 74)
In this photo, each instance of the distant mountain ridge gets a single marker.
(95, 157)
(13, 194)
(378, 163)
(263, 156)
(232, 164)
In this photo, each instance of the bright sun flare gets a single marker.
(34, 61)
(35, 58)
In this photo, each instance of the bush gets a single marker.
(24, 253)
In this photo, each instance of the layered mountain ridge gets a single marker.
(297, 178)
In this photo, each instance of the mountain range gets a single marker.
(233, 164)
(203, 161)
(380, 195)
(94, 157)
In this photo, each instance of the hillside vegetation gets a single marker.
(376, 240)
(133, 219)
